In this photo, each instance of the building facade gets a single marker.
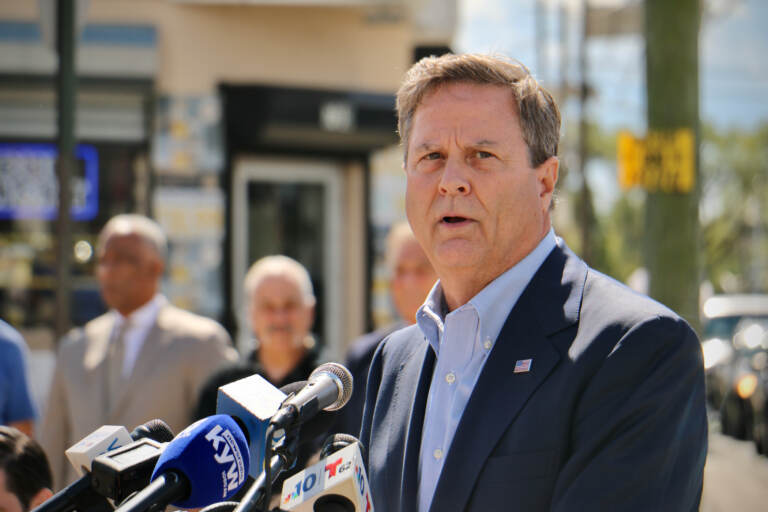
(245, 128)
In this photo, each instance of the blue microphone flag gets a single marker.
(212, 454)
(253, 401)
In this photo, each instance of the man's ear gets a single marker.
(41, 496)
(546, 174)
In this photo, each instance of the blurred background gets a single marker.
(252, 127)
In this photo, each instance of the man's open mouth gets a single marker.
(454, 220)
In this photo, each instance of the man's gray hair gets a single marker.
(279, 265)
(135, 224)
(537, 111)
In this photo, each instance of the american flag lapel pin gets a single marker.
(523, 365)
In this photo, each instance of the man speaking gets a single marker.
(531, 381)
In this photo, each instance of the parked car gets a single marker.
(735, 345)
(742, 398)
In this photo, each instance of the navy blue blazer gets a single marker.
(611, 415)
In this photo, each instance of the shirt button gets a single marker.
(450, 378)
(487, 344)
(438, 453)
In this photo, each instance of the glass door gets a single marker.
(290, 207)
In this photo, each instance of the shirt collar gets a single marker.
(493, 303)
(144, 316)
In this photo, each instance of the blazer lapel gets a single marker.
(549, 304)
(421, 364)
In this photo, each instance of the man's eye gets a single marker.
(433, 156)
(483, 154)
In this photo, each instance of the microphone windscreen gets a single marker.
(343, 378)
(212, 454)
(156, 429)
(336, 442)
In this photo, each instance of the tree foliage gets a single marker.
(734, 167)
(734, 212)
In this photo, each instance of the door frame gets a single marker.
(327, 173)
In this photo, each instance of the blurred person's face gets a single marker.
(412, 279)
(472, 198)
(128, 271)
(279, 316)
(9, 502)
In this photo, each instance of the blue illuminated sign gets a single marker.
(29, 187)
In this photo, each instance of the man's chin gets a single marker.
(457, 255)
(282, 342)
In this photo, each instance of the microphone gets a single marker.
(328, 388)
(101, 440)
(80, 494)
(338, 483)
(119, 473)
(252, 401)
(156, 429)
(207, 462)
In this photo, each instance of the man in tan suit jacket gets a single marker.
(143, 359)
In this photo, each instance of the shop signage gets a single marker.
(660, 162)
(29, 187)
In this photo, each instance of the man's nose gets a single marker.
(454, 178)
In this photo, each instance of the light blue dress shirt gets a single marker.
(462, 340)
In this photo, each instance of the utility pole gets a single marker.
(66, 85)
(584, 207)
(671, 220)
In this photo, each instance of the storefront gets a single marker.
(114, 106)
(297, 180)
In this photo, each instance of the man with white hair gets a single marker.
(143, 359)
(281, 310)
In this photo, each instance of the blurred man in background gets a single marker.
(141, 360)
(281, 310)
(25, 476)
(16, 406)
(411, 278)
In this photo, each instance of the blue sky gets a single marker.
(733, 66)
(733, 63)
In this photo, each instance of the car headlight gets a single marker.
(716, 351)
(746, 385)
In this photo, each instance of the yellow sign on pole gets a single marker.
(662, 162)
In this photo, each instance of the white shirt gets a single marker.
(462, 340)
(141, 321)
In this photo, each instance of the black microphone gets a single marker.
(80, 494)
(328, 388)
(156, 429)
(336, 442)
